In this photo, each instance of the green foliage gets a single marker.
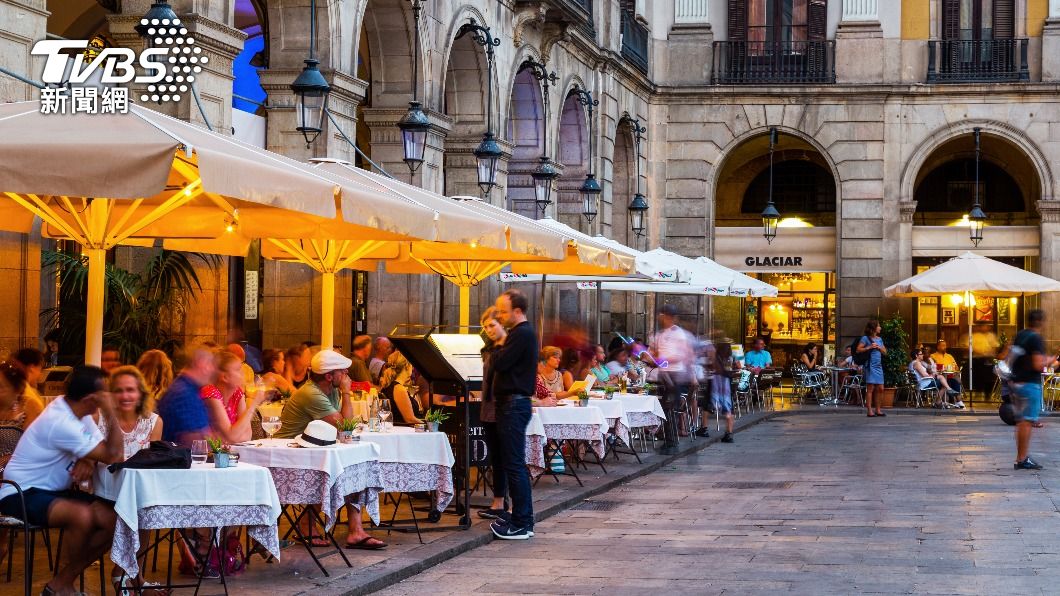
(217, 445)
(135, 305)
(896, 340)
(349, 424)
(436, 415)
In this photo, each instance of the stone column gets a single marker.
(690, 47)
(1049, 262)
(859, 45)
(1051, 44)
(387, 149)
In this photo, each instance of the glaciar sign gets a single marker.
(773, 261)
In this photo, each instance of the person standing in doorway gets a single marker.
(871, 342)
(1027, 383)
(514, 370)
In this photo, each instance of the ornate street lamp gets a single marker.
(311, 88)
(415, 124)
(590, 190)
(976, 217)
(488, 152)
(638, 207)
(770, 215)
(546, 173)
(159, 13)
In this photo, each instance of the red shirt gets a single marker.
(232, 407)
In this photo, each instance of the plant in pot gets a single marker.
(347, 427)
(583, 399)
(896, 360)
(609, 392)
(221, 452)
(434, 418)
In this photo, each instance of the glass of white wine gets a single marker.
(384, 413)
(199, 451)
(270, 424)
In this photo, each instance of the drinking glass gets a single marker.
(384, 412)
(198, 451)
(270, 424)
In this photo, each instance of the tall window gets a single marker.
(769, 23)
(976, 20)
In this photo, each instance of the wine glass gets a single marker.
(270, 424)
(198, 451)
(384, 412)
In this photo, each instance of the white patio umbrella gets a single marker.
(705, 278)
(969, 275)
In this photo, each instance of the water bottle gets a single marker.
(373, 417)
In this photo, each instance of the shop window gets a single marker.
(950, 189)
(802, 312)
(799, 188)
(360, 303)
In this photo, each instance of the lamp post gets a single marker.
(546, 173)
(590, 190)
(976, 217)
(415, 125)
(159, 13)
(310, 88)
(770, 215)
(638, 207)
(488, 152)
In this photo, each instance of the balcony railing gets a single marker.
(634, 41)
(765, 62)
(977, 60)
(575, 12)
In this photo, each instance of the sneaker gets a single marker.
(727, 438)
(504, 531)
(1027, 464)
(492, 513)
(703, 432)
(959, 405)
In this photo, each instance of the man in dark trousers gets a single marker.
(1027, 383)
(514, 368)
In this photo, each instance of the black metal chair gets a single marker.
(29, 533)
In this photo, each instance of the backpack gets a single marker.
(859, 358)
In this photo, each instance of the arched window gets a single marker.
(950, 188)
(799, 188)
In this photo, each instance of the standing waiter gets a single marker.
(676, 347)
(514, 368)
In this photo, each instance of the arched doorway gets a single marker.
(944, 190)
(800, 261)
(526, 132)
(249, 117)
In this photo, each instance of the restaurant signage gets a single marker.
(793, 250)
(774, 261)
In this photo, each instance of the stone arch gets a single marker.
(462, 94)
(525, 130)
(1010, 134)
(623, 182)
(388, 29)
(572, 138)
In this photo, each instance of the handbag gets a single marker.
(159, 455)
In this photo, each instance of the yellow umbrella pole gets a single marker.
(97, 263)
(327, 310)
(465, 308)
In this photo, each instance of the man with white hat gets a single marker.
(326, 397)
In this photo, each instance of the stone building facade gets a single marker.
(869, 100)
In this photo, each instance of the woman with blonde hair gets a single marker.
(226, 403)
(396, 376)
(156, 370)
(550, 386)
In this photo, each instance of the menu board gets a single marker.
(463, 352)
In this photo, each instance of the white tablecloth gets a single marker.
(613, 412)
(410, 461)
(200, 497)
(325, 476)
(642, 411)
(570, 423)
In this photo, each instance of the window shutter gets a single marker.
(817, 20)
(951, 19)
(737, 20)
(1004, 19)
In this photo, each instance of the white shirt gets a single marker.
(49, 448)
(675, 347)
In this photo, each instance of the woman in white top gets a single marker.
(138, 427)
(926, 378)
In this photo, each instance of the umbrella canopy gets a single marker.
(974, 273)
(596, 256)
(705, 277)
(137, 177)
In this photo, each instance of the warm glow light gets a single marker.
(963, 222)
(956, 299)
(474, 244)
(1014, 301)
(794, 222)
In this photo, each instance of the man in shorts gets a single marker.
(1027, 383)
(42, 464)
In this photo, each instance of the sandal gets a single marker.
(366, 544)
(1037, 424)
(316, 541)
(870, 415)
(881, 414)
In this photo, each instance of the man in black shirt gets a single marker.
(1027, 383)
(514, 367)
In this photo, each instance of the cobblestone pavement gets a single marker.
(808, 504)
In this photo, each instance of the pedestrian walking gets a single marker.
(514, 379)
(1028, 358)
(676, 348)
(873, 344)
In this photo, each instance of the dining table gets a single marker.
(413, 461)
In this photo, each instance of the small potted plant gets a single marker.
(583, 399)
(347, 427)
(434, 418)
(221, 453)
(609, 392)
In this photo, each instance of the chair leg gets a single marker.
(31, 543)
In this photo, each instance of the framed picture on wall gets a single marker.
(949, 316)
(984, 309)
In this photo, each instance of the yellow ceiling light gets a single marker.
(794, 222)
(956, 299)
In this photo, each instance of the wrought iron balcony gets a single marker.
(635, 41)
(575, 12)
(766, 62)
(977, 61)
